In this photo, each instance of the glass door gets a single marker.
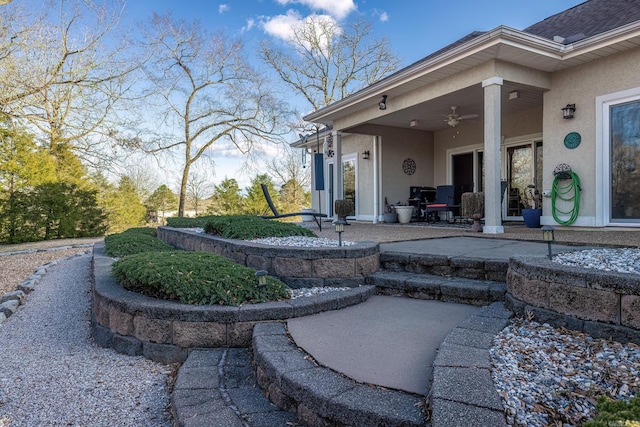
(349, 182)
(625, 162)
(524, 162)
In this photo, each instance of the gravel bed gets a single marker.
(301, 242)
(309, 292)
(548, 376)
(51, 373)
(624, 260)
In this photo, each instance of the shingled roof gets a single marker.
(587, 19)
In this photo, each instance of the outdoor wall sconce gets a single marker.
(339, 224)
(365, 155)
(383, 104)
(262, 280)
(567, 112)
(547, 236)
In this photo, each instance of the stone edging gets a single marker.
(462, 387)
(10, 301)
(602, 304)
(297, 267)
(165, 331)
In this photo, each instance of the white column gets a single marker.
(376, 187)
(492, 131)
(339, 178)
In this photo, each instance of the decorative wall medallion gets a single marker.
(572, 140)
(409, 166)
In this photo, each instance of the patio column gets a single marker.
(337, 152)
(492, 132)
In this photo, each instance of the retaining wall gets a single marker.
(297, 267)
(602, 304)
(165, 331)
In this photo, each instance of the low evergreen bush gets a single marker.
(194, 278)
(247, 227)
(133, 241)
(616, 413)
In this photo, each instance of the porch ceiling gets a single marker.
(432, 115)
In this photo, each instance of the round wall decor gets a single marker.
(572, 140)
(409, 166)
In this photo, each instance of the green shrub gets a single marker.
(185, 222)
(247, 227)
(194, 278)
(616, 413)
(150, 231)
(133, 242)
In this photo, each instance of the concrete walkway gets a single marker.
(385, 341)
(475, 247)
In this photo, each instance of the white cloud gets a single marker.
(384, 17)
(337, 8)
(223, 8)
(282, 26)
(250, 24)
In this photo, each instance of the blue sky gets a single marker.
(414, 28)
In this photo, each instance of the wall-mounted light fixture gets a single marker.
(514, 94)
(413, 123)
(567, 112)
(365, 155)
(383, 104)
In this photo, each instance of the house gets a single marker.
(501, 105)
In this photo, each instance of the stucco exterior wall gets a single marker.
(398, 145)
(470, 133)
(581, 86)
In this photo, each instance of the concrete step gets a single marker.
(440, 288)
(442, 265)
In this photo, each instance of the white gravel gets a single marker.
(301, 242)
(623, 260)
(52, 374)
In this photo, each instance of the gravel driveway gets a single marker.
(51, 372)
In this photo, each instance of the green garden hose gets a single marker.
(566, 193)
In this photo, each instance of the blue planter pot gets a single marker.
(531, 217)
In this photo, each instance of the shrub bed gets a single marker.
(612, 413)
(133, 241)
(186, 222)
(247, 227)
(194, 278)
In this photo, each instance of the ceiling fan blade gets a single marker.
(468, 116)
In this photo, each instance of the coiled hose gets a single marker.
(566, 193)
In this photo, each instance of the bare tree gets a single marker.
(198, 189)
(327, 62)
(63, 70)
(206, 94)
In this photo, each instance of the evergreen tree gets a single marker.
(162, 200)
(255, 203)
(226, 198)
(124, 207)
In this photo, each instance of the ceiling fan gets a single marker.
(453, 119)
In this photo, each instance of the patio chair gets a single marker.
(444, 201)
(316, 216)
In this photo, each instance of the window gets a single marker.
(624, 157)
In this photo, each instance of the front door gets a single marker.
(462, 174)
(523, 165)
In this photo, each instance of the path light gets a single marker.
(339, 229)
(262, 280)
(547, 236)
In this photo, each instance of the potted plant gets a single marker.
(390, 216)
(532, 210)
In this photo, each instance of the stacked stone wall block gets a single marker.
(334, 267)
(533, 291)
(119, 321)
(583, 303)
(292, 267)
(199, 334)
(259, 262)
(630, 311)
(367, 265)
(153, 330)
(239, 334)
